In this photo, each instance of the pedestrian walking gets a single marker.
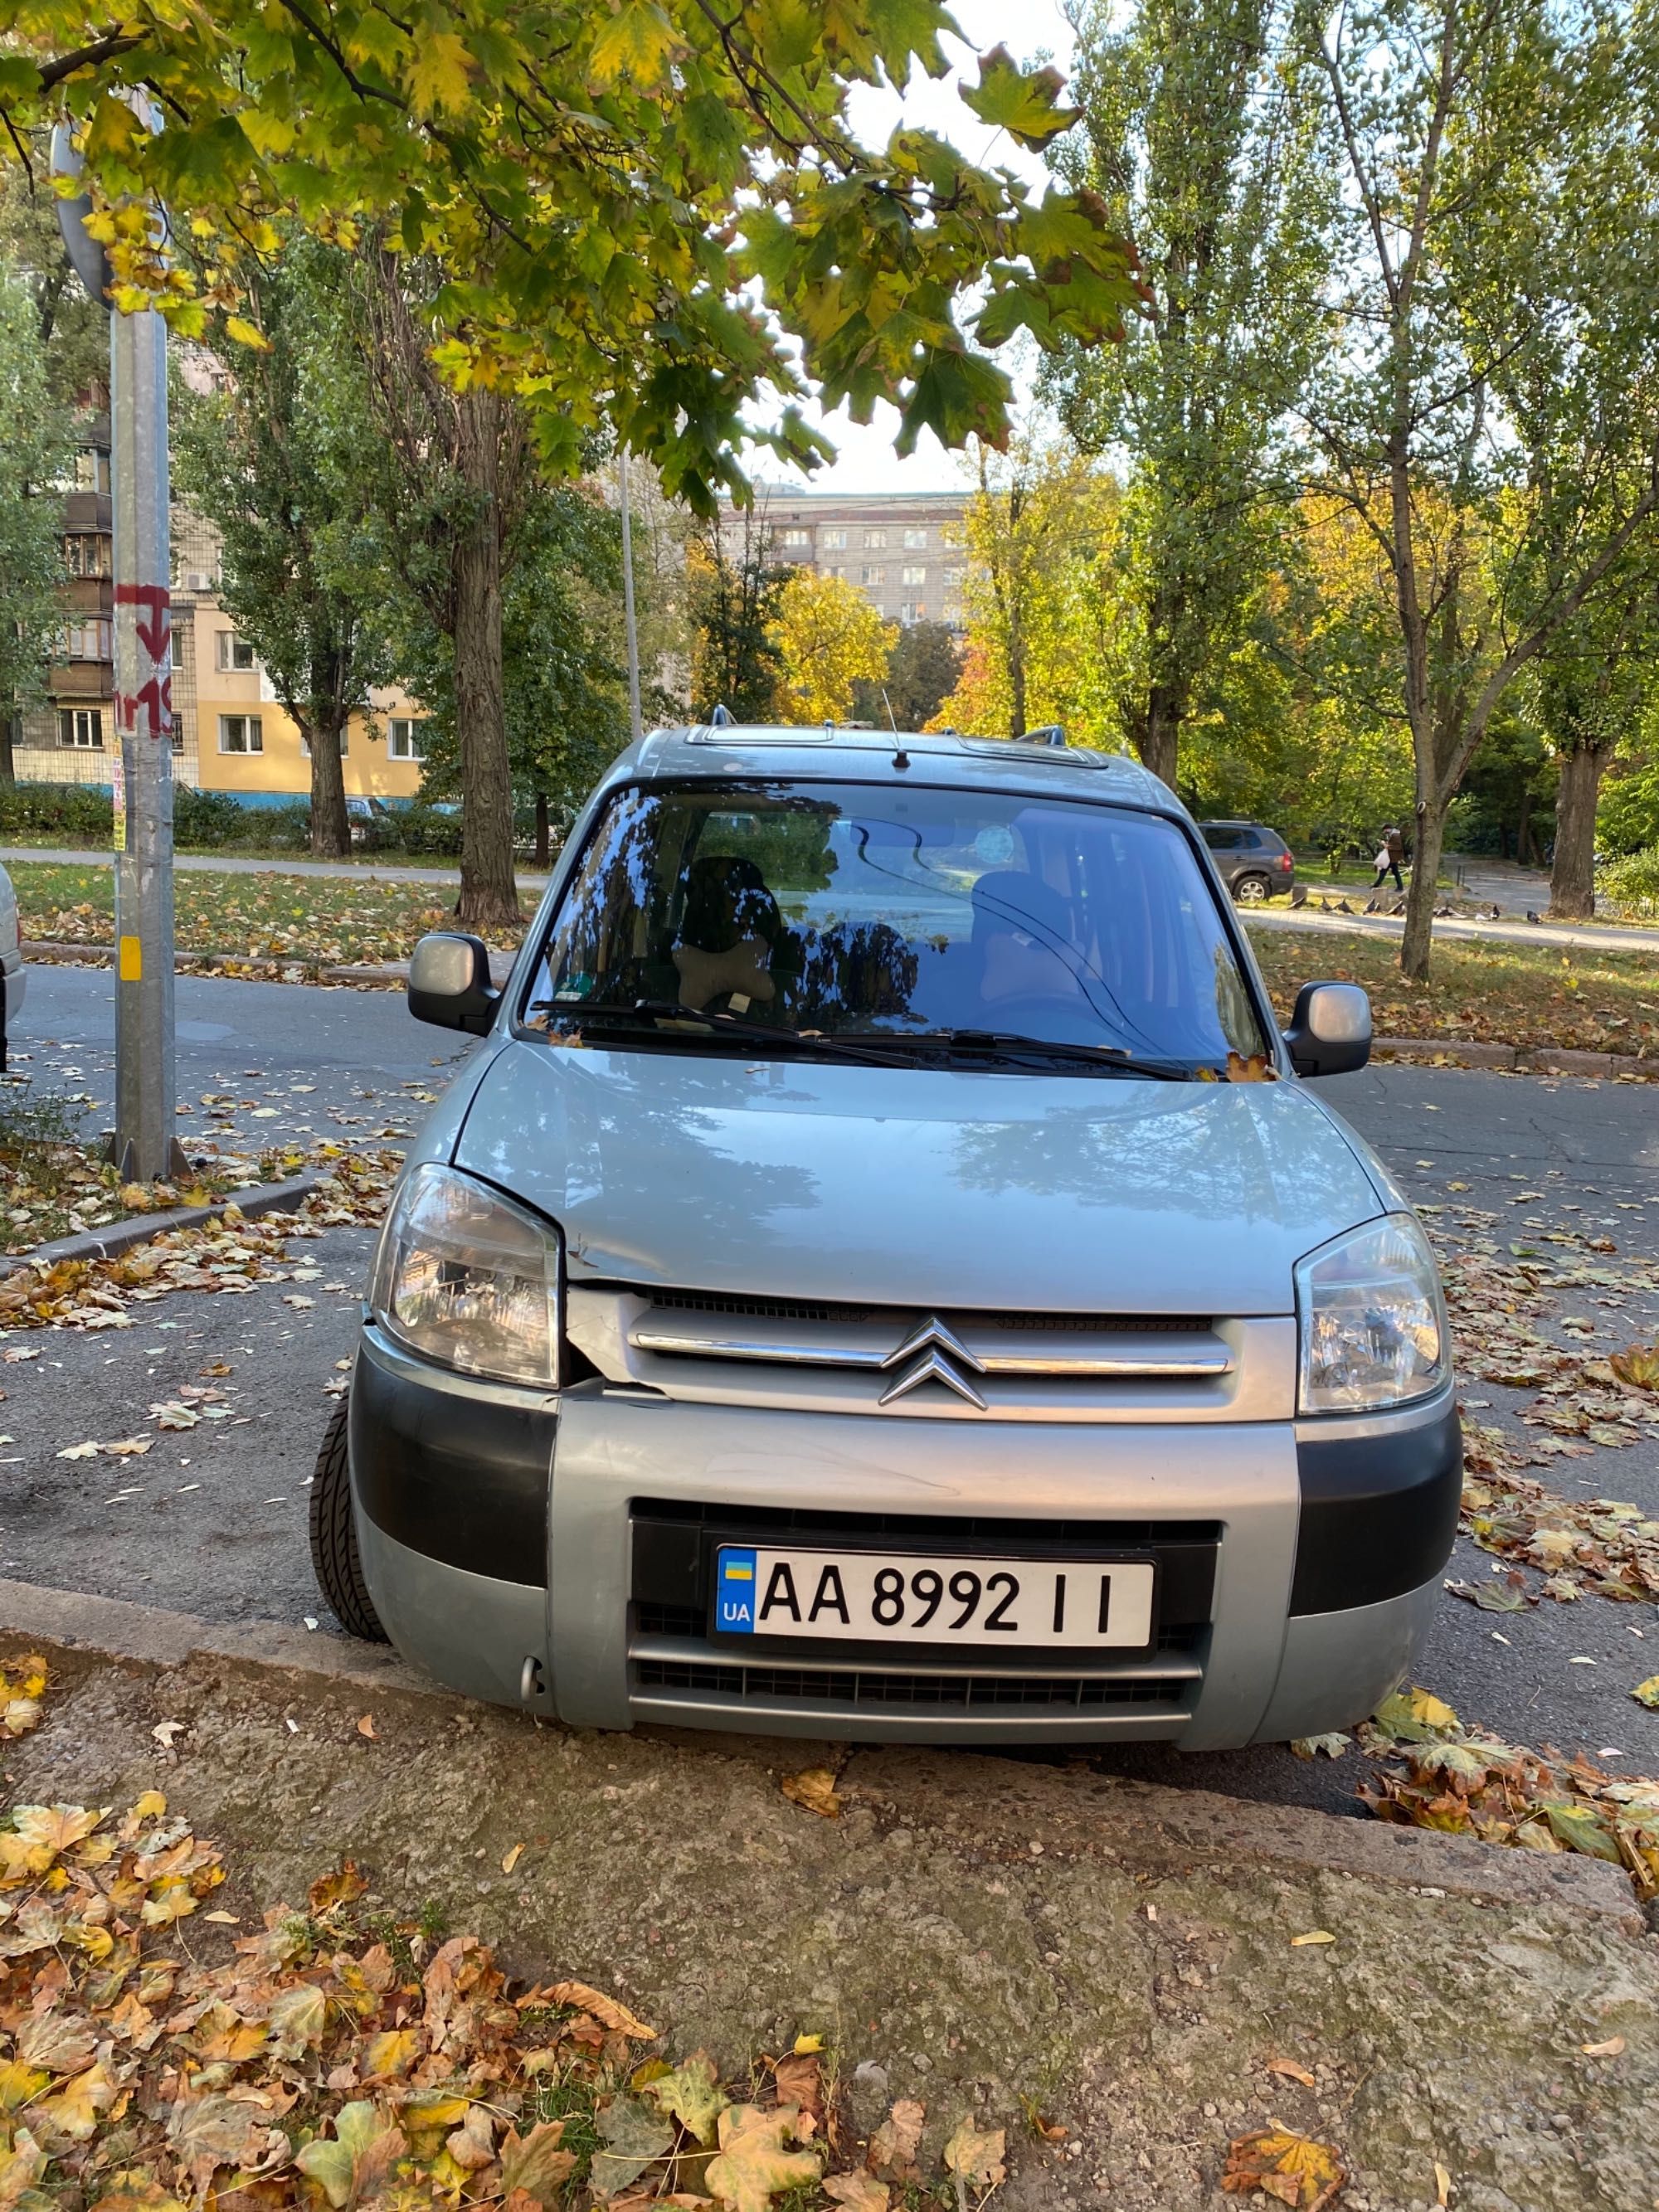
(1389, 855)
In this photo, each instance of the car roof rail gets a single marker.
(722, 717)
(1046, 733)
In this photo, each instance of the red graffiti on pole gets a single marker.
(154, 693)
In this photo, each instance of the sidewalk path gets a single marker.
(1594, 937)
(234, 864)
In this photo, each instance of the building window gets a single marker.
(87, 554)
(92, 469)
(833, 541)
(875, 537)
(876, 575)
(953, 579)
(797, 537)
(235, 653)
(834, 568)
(915, 575)
(81, 727)
(241, 733)
(345, 745)
(913, 611)
(402, 740)
(915, 540)
(87, 641)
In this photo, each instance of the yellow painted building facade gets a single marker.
(230, 733)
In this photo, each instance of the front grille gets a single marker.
(935, 1531)
(831, 1311)
(957, 1693)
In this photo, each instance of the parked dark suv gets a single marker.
(1255, 862)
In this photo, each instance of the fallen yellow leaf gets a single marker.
(1291, 2071)
(814, 1787)
(1300, 2173)
(1314, 1935)
(1610, 2049)
(806, 2045)
(513, 1858)
(1443, 2184)
(365, 1727)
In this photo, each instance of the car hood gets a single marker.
(918, 1187)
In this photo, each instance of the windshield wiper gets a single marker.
(731, 1026)
(1104, 1058)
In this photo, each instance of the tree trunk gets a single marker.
(541, 831)
(1572, 877)
(1431, 833)
(1160, 741)
(489, 896)
(7, 764)
(331, 831)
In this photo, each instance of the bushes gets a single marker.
(70, 812)
(423, 830)
(1633, 885)
(207, 818)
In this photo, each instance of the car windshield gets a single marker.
(904, 920)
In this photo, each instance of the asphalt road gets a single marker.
(212, 1520)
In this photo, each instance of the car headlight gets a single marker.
(467, 1278)
(1373, 1320)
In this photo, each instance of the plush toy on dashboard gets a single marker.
(732, 923)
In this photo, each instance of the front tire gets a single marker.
(334, 1558)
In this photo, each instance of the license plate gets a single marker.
(878, 1596)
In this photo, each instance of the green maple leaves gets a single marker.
(598, 187)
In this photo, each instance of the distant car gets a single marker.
(13, 981)
(371, 820)
(1254, 861)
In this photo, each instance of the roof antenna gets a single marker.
(900, 758)
(722, 719)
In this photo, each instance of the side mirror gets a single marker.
(1330, 1031)
(449, 982)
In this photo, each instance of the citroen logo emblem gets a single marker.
(936, 1354)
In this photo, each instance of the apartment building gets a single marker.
(902, 549)
(230, 733)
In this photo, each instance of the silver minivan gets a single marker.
(882, 1274)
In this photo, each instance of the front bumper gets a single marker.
(553, 1552)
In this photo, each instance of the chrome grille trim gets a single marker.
(868, 1339)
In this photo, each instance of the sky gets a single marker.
(866, 461)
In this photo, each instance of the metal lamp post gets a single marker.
(143, 1146)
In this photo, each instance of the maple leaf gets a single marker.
(21, 2167)
(74, 2112)
(977, 2156)
(536, 2163)
(20, 2085)
(1022, 102)
(634, 2139)
(692, 2094)
(136, 2192)
(1647, 1693)
(753, 2166)
(355, 2163)
(637, 42)
(438, 73)
(344, 1886)
(297, 2019)
(1300, 2173)
(894, 2145)
(857, 2192)
(1638, 1366)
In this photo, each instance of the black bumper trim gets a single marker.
(1379, 1513)
(457, 1479)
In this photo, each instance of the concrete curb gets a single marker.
(1092, 1813)
(1523, 1059)
(139, 1228)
